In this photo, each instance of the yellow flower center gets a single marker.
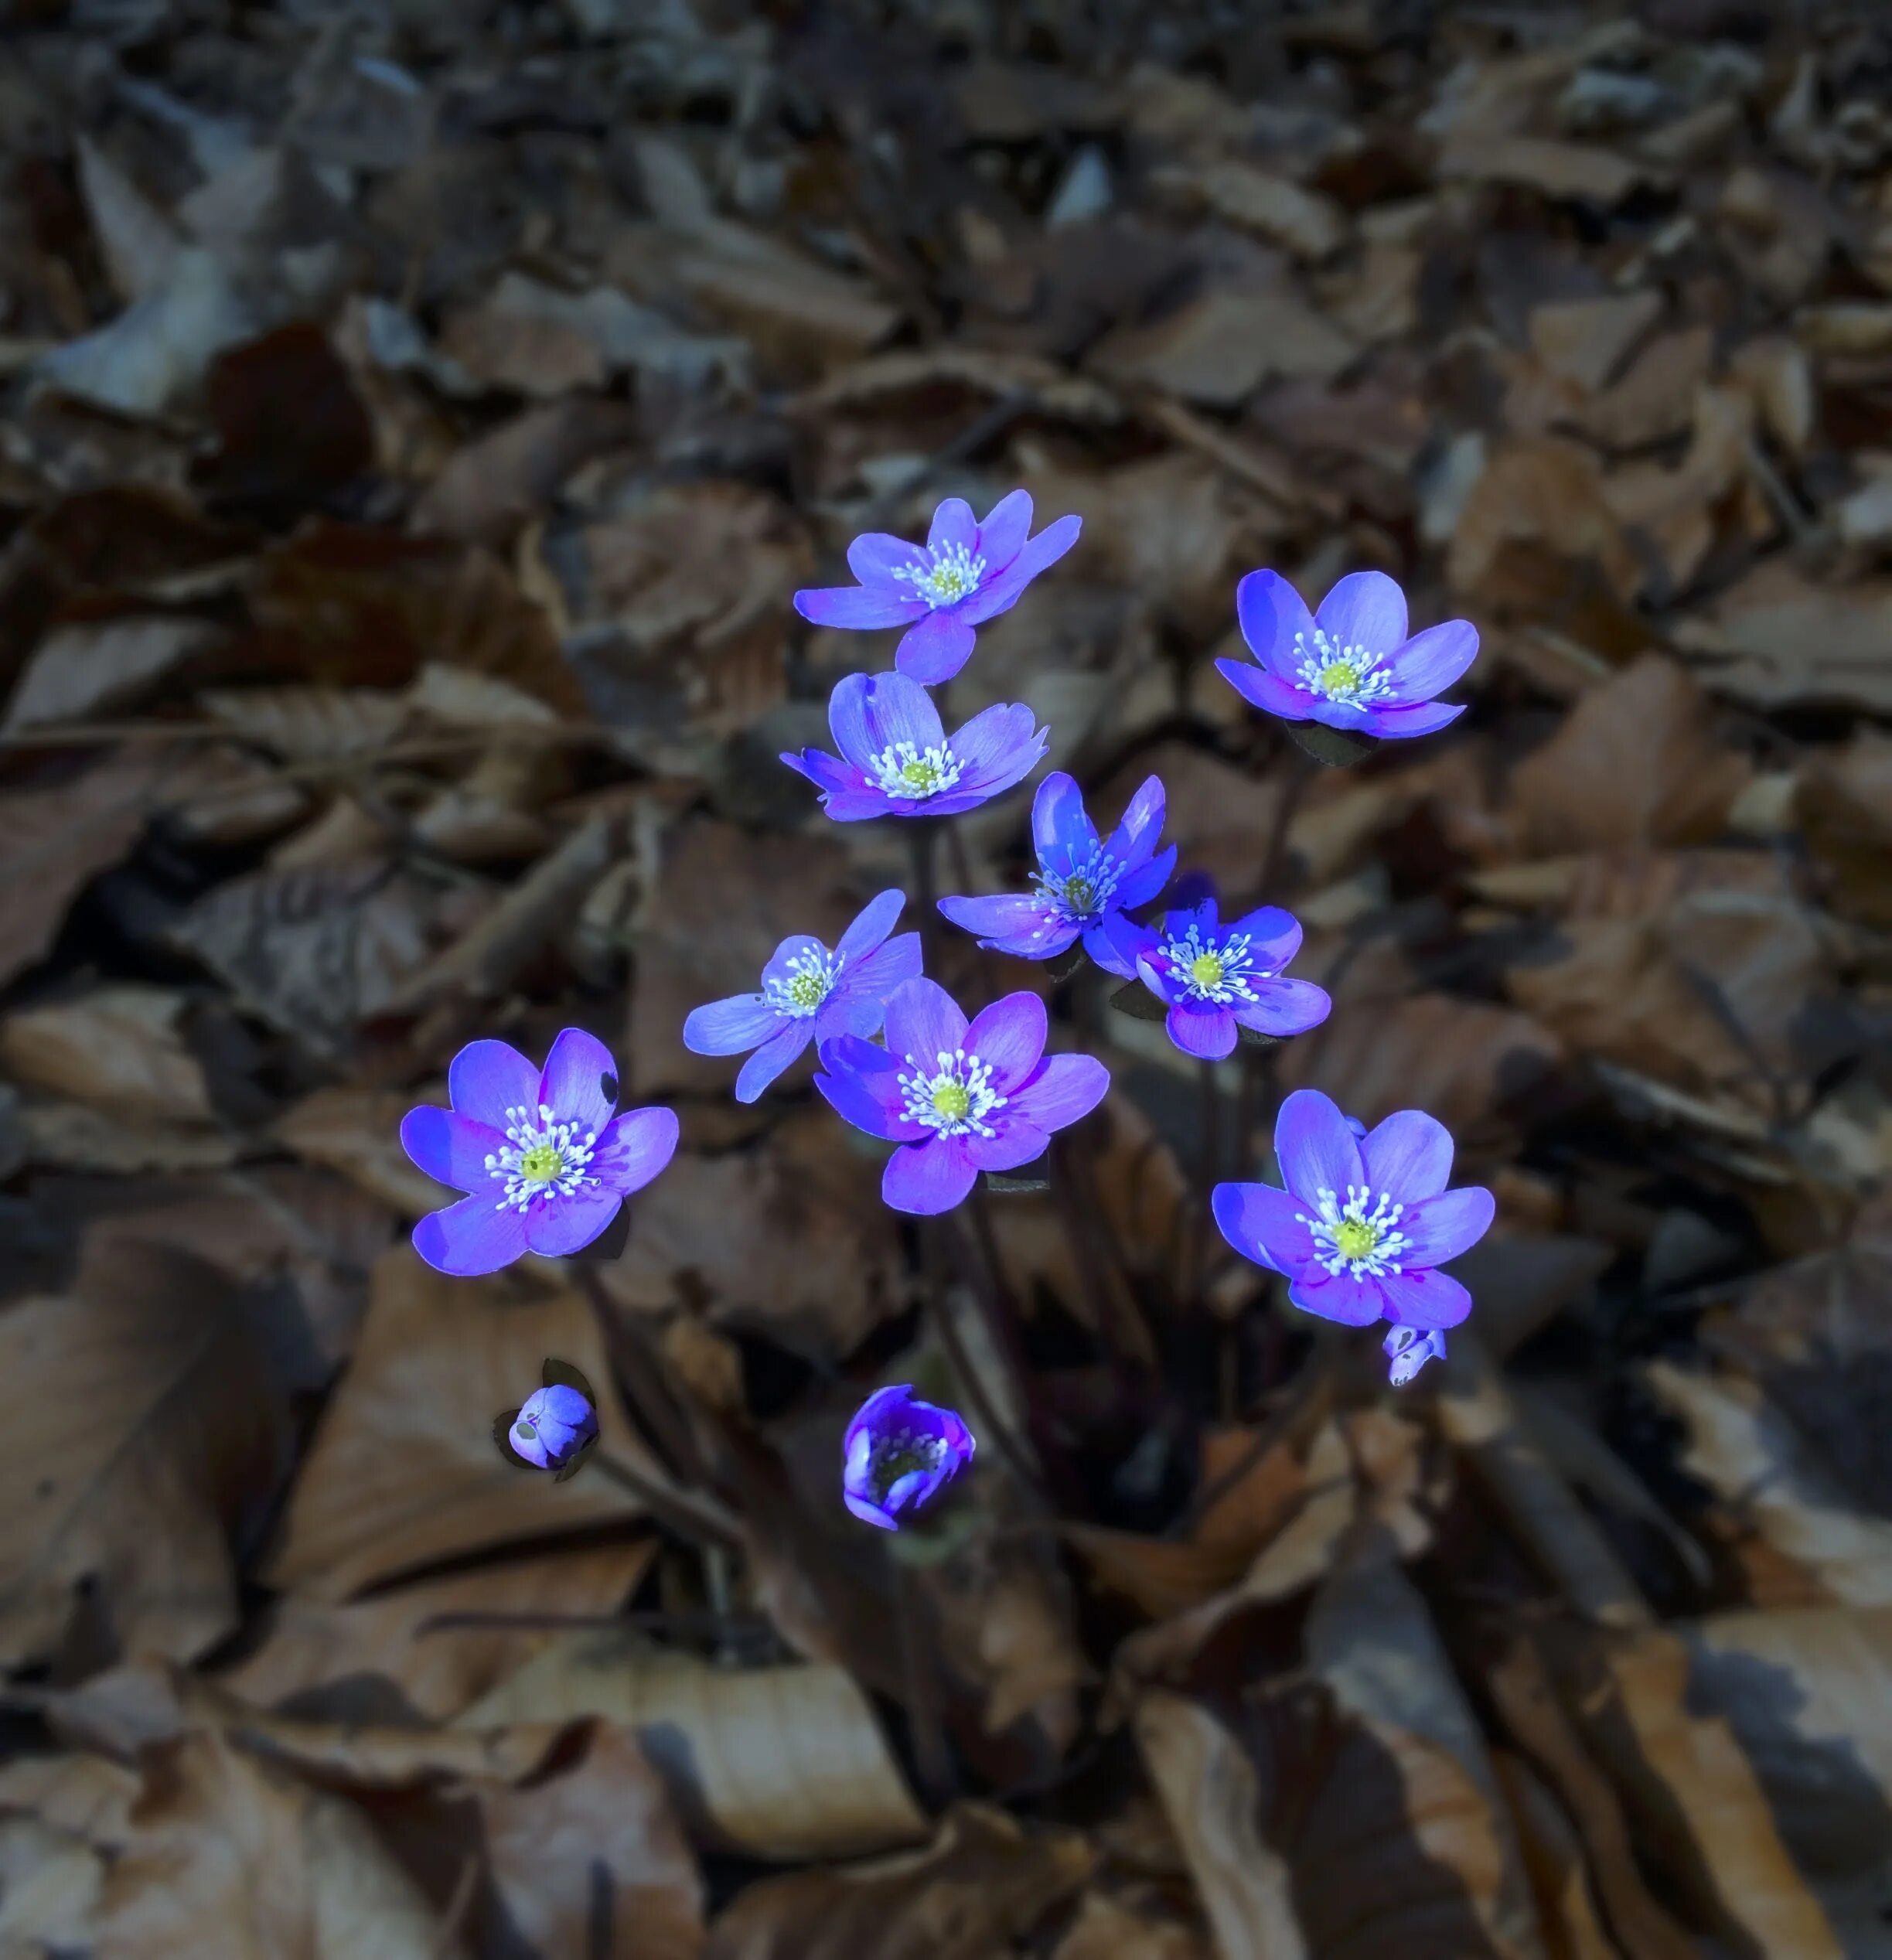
(806, 990)
(1354, 1239)
(540, 1163)
(952, 1100)
(1206, 969)
(920, 778)
(1339, 677)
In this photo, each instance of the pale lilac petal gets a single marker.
(933, 649)
(486, 1078)
(1403, 724)
(1000, 594)
(1409, 1155)
(472, 1237)
(925, 1179)
(1146, 881)
(1135, 838)
(1205, 1031)
(1366, 609)
(1014, 922)
(1007, 525)
(953, 524)
(729, 1027)
(771, 1058)
(871, 924)
(1439, 1228)
(876, 974)
(1062, 834)
(1354, 1302)
(876, 557)
(1267, 691)
(996, 748)
(1431, 660)
(451, 1148)
(1270, 612)
(923, 1021)
(580, 1085)
(1017, 1143)
(1427, 1298)
(1284, 1007)
(1067, 1088)
(861, 1082)
(561, 1225)
(1264, 1225)
(1009, 1036)
(635, 1146)
(858, 608)
(1318, 1151)
(869, 712)
(1275, 934)
(868, 1510)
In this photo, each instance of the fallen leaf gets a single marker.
(1587, 340)
(102, 667)
(1583, 172)
(1775, 639)
(1218, 350)
(122, 1047)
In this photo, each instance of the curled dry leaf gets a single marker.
(122, 1047)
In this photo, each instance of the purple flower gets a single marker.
(1364, 1223)
(897, 1453)
(1350, 664)
(555, 1424)
(1085, 882)
(544, 1161)
(958, 1098)
(1409, 1348)
(895, 760)
(965, 574)
(810, 994)
(1214, 978)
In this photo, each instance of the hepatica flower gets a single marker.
(1085, 882)
(965, 574)
(544, 1161)
(1350, 664)
(896, 1455)
(895, 759)
(1215, 979)
(1363, 1225)
(810, 994)
(957, 1098)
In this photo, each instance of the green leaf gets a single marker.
(1137, 1000)
(1335, 747)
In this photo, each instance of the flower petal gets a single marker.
(862, 1085)
(556, 1227)
(1270, 612)
(1316, 1150)
(636, 1145)
(1427, 1298)
(1112, 943)
(953, 524)
(580, 1084)
(1066, 1088)
(1365, 608)
(1007, 524)
(1135, 837)
(1264, 1225)
(451, 1148)
(1000, 594)
(1267, 691)
(1403, 724)
(869, 712)
(923, 1021)
(1009, 1037)
(858, 608)
(876, 557)
(798, 945)
(1014, 922)
(868, 1510)
(871, 924)
(1062, 834)
(876, 974)
(1354, 1302)
(1409, 1155)
(928, 1179)
(933, 649)
(996, 749)
(1282, 1008)
(1017, 1143)
(1431, 660)
(486, 1078)
(728, 1027)
(1205, 1030)
(1146, 881)
(1275, 934)
(1439, 1228)
(471, 1238)
(771, 1058)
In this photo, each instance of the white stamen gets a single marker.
(943, 577)
(956, 1098)
(811, 979)
(542, 1158)
(1220, 971)
(1086, 891)
(1348, 675)
(1365, 1243)
(903, 770)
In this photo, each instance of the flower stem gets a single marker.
(1017, 1456)
(639, 1372)
(686, 1514)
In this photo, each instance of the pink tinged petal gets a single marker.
(1062, 831)
(1275, 934)
(771, 1059)
(1007, 524)
(923, 1021)
(580, 1084)
(451, 1148)
(731, 1026)
(557, 1226)
(1367, 609)
(954, 523)
(1000, 594)
(862, 1086)
(1267, 691)
(925, 1179)
(858, 608)
(1014, 922)
(1354, 1302)
(1439, 1228)
(1265, 1225)
(635, 1147)
(1016, 1143)
(1427, 1298)
(1009, 1036)
(1067, 1088)
(472, 1237)
(1408, 1155)
(1206, 1032)
(486, 1078)
(1318, 1151)
(1403, 724)
(1431, 660)
(871, 924)
(1270, 612)
(1284, 1007)
(934, 650)
(876, 557)
(1142, 824)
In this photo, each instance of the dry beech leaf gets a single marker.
(121, 1047)
(1774, 640)
(1845, 804)
(1106, 1929)
(983, 1882)
(403, 1474)
(182, 1436)
(774, 1762)
(310, 724)
(1553, 1855)
(357, 1133)
(102, 669)
(1217, 350)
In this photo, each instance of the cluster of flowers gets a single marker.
(1362, 1220)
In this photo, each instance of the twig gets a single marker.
(932, 1756)
(1027, 1473)
(682, 1513)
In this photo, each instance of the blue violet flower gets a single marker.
(897, 1455)
(1215, 979)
